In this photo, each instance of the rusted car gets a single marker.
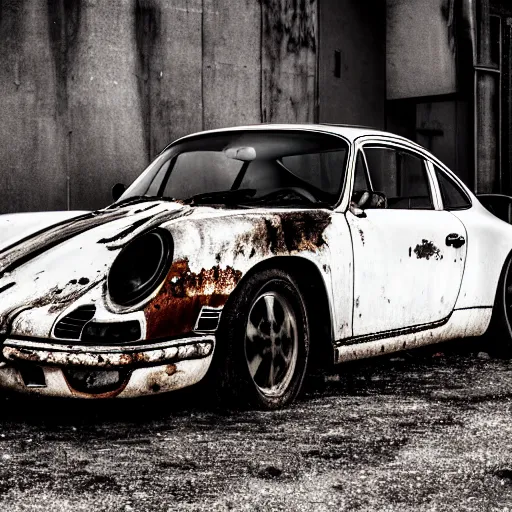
(241, 257)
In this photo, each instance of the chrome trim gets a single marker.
(208, 313)
(434, 186)
(108, 357)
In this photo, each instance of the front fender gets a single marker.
(212, 255)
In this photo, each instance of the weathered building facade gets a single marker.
(91, 90)
(449, 84)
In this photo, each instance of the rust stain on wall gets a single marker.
(175, 309)
(147, 23)
(11, 34)
(63, 25)
(449, 14)
(289, 46)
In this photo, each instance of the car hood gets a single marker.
(17, 226)
(52, 259)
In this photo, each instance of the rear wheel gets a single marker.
(263, 343)
(499, 334)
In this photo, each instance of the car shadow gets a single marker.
(421, 372)
(417, 372)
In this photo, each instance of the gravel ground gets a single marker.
(426, 430)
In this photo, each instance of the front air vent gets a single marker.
(70, 326)
(208, 319)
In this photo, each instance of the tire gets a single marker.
(262, 348)
(499, 334)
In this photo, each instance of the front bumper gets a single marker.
(141, 369)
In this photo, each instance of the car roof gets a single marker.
(350, 132)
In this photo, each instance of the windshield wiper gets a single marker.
(221, 196)
(138, 199)
(287, 197)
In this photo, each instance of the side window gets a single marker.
(402, 176)
(414, 180)
(454, 198)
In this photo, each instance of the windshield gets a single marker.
(256, 167)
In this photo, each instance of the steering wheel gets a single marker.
(301, 192)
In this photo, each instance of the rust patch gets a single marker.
(427, 250)
(175, 309)
(304, 231)
(161, 381)
(105, 394)
(286, 233)
(170, 369)
(110, 360)
(361, 234)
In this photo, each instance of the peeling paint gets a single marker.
(60, 298)
(287, 233)
(427, 250)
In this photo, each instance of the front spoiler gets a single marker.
(128, 356)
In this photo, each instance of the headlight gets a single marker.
(140, 267)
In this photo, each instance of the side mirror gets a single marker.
(363, 200)
(118, 190)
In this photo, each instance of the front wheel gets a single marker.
(262, 343)
(499, 334)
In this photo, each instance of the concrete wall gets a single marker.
(91, 90)
(420, 48)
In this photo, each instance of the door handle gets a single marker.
(455, 240)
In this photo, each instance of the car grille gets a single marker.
(70, 326)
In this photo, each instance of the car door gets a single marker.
(408, 257)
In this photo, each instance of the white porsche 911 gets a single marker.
(241, 257)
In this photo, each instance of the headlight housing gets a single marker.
(140, 267)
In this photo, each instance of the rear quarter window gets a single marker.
(454, 197)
